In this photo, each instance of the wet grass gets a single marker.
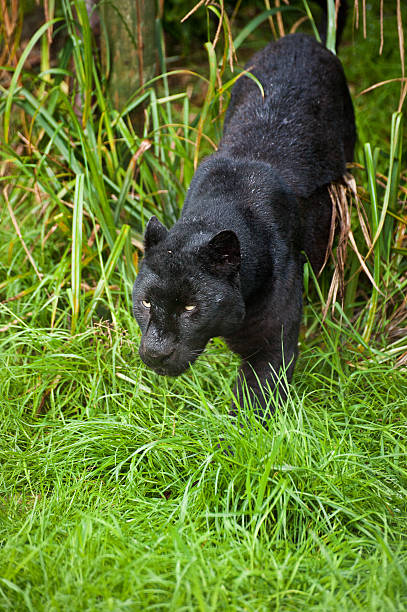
(121, 490)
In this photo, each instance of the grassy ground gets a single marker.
(118, 492)
(122, 490)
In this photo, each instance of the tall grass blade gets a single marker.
(311, 20)
(17, 73)
(86, 86)
(331, 26)
(208, 98)
(108, 270)
(371, 177)
(76, 264)
(392, 179)
(256, 21)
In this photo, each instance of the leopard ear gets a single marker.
(223, 251)
(155, 232)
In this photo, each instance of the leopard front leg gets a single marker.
(267, 343)
(263, 379)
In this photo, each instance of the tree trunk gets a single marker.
(130, 50)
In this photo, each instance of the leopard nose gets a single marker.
(160, 354)
(156, 352)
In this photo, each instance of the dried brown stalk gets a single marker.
(16, 227)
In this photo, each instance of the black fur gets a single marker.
(252, 207)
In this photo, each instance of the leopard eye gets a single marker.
(189, 308)
(146, 304)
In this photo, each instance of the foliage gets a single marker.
(119, 489)
(119, 493)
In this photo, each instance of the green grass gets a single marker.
(119, 493)
(123, 490)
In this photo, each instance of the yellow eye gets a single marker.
(189, 308)
(146, 304)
